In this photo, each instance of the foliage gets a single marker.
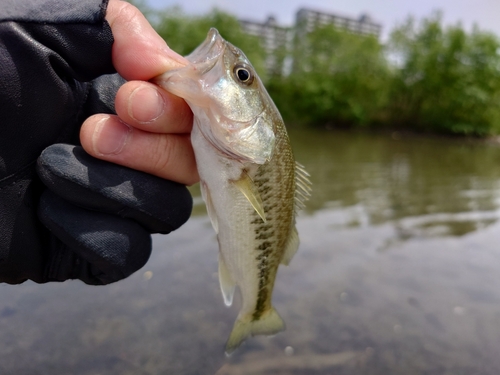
(339, 79)
(449, 80)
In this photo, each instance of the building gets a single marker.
(280, 42)
(276, 40)
(307, 20)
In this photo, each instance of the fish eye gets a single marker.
(243, 74)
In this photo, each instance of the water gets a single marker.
(398, 273)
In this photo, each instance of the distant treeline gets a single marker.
(427, 77)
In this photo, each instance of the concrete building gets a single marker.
(276, 40)
(307, 20)
(284, 44)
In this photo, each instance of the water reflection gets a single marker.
(373, 179)
(397, 273)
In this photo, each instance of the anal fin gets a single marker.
(292, 246)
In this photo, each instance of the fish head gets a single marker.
(220, 84)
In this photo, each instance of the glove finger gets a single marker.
(102, 93)
(161, 206)
(94, 247)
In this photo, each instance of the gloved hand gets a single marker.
(101, 214)
(81, 217)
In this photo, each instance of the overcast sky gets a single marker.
(485, 13)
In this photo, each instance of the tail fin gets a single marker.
(269, 323)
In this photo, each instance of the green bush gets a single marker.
(339, 79)
(448, 80)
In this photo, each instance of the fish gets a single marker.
(250, 182)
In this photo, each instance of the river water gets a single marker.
(398, 273)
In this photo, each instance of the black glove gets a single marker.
(94, 222)
(101, 214)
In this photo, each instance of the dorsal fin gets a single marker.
(248, 189)
(302, 194)
(303, 186)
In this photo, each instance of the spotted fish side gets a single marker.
(283, 188)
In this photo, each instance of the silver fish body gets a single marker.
(250, 182)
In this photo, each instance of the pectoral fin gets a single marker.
(227, 283)
(205, 193)
(247, 187)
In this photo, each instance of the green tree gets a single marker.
(339, 78)
(447, 80)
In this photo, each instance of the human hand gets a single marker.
(94, 216)
(151, 131)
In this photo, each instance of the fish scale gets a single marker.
(249, 180)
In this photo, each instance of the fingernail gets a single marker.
(110, 136)
(145, 104)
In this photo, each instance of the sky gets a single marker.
(484, 13)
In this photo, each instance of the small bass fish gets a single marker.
(250, 182)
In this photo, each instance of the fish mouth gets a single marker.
(201, 60)
(209, 51)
